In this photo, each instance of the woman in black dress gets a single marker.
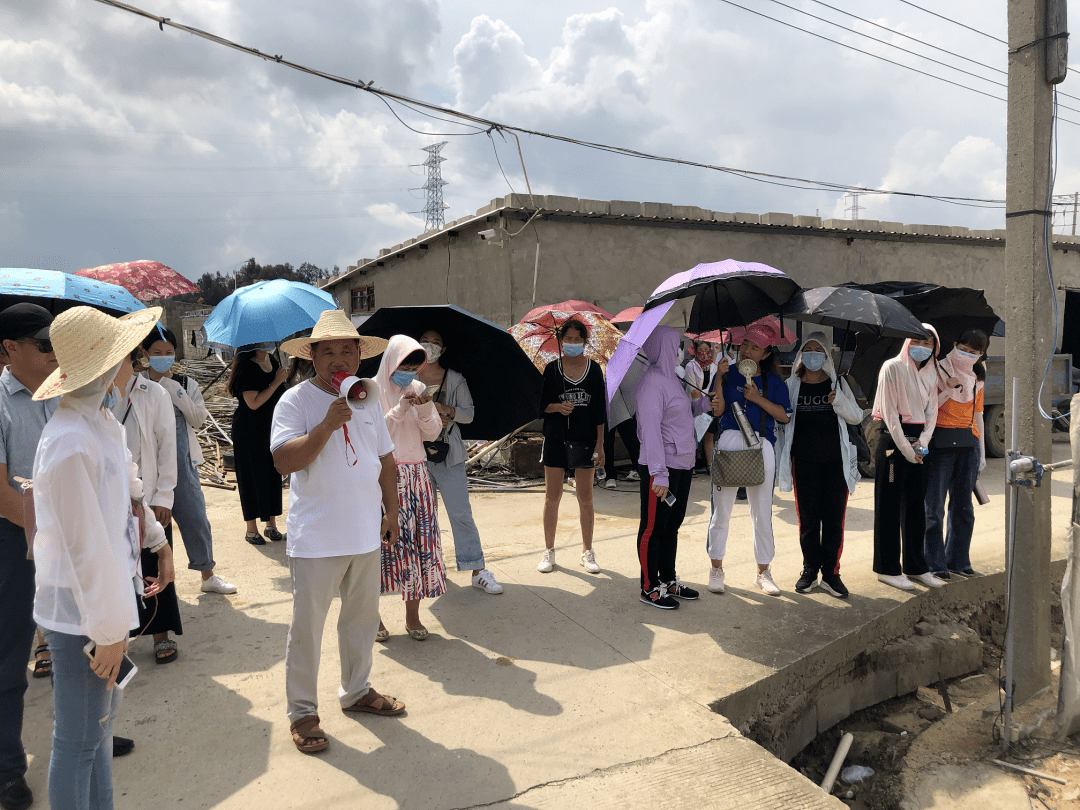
(256, 380)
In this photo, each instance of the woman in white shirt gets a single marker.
(87, 547)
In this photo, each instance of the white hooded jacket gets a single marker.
(847, 411)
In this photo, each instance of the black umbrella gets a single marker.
(950, 310)
(504, 383)
(854, 310)
(722, 294)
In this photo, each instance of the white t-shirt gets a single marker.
(335, 506)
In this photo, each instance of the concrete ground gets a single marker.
(563, 689)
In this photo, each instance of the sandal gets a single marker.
(166, 646)
(307, 736)
(271, 533)
(42, 666)
(255, 539)
(382, 635)
(374, 703)
(418, 635)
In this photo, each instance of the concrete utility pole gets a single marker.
(1029, 332)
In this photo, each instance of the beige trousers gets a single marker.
(316, 581)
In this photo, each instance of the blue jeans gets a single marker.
(16, 636)
(951, 473)
(452, 484)
(80, 771)
(189, 505)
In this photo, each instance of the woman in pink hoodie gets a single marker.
(906, 405)
(414, 564)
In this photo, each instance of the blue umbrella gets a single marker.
(58, 291)
(267, 312)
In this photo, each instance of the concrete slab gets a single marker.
(564, 675)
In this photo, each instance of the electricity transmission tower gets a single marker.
(433, 209)
(854, 209)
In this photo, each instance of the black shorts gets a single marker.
(554, 455)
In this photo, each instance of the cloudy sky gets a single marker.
(119, 141)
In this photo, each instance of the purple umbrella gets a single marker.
(722, 294)
(626, 366)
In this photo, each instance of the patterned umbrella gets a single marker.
(722, 294)
(538, 336)
(58, 291)
(145, 279)
(573, 305)
(855, 310)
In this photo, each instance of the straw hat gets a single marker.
(88, 343)
(333, 324)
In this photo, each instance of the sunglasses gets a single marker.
(43, 346)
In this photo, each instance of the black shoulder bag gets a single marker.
(961, 438)
(439, 449)
(579, 455)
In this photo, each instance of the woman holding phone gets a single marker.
(87, 547)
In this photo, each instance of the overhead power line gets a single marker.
(489, 125)
(954, 22)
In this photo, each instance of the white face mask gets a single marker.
(434, 351)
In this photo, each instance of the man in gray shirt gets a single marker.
(24, 336)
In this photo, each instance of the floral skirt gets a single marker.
(414, 564)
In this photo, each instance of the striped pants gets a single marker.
(658, 532)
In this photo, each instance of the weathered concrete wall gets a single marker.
(614, 254)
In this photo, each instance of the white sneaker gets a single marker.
(610, 484)
(485, 580)
(588, 561)
(901, 582)
(765, 582)
(929, 580)
(716, 580)
(217, 585)
(547, 562)
(633, 476)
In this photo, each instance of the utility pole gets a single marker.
(433, 209)
(1029, 337)
(1076, 202)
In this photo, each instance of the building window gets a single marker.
(363, 299)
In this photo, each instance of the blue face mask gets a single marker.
(573, 349)
(919, 353)
(402, 378)
(968, 355)
(162, 364)
(110, 398)
(813, 361)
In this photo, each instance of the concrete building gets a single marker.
(519, 251)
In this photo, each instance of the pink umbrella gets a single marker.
(628, 315)
(567, 306)
(146, 280)
(736, 334)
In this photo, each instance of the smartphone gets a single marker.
(669, 499)
(432, 390)
(127, 667)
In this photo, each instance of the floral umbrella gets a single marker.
(538, 336)
(573, 305)
(146, 280)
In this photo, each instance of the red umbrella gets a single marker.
(146, 280)
(628, 315)
(537, 336)
(569, 306)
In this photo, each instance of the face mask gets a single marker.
(162, 364)
(919, 353)
(573, 349)
(110, 398)
(402, 378)
(966, 355)
(813, 361)
(434, 351)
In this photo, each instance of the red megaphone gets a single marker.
(356, 391)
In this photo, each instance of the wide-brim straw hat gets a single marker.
(333, 324)
(88, 343)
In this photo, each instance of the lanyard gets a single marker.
(348, 447)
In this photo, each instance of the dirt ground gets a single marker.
(926, 757)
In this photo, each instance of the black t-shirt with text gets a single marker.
(588, 397)
(816, 433)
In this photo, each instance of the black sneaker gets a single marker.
(16, 795)
(680, 591)
(807, 581)
(122, 746)
(832, 584)
(968, 573)
(741, 494)
(942, 575)
(658, 597)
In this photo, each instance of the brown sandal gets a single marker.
(307, 736)
(374, 703)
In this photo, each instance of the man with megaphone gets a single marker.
(329, 435)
